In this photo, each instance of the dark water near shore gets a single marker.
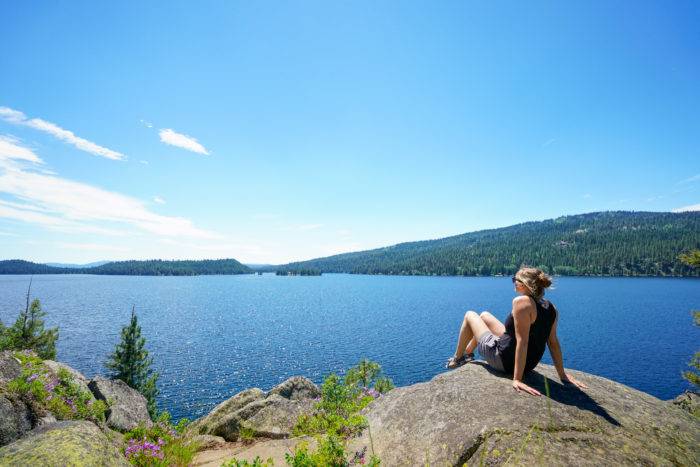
(212, 336)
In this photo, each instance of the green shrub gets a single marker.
(336, 416)
(161, 444)
(257, 462)
(247, 434)
(59, 394)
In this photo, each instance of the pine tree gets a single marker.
(693, 376)
(28, 332)
(130, 363)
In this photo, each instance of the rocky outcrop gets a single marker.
(271, 415)
(472, 415)
(61, 444)
(128, 407)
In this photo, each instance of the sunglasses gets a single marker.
(515, 280)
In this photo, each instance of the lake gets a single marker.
(212, 336)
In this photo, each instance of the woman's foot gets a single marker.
(454, 362)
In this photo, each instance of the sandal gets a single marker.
(453, 363)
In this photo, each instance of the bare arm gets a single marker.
(521, 319)
(555, 351)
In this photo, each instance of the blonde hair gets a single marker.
(535, 280)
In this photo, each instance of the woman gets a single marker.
(516, 347)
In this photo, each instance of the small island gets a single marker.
(298, 272)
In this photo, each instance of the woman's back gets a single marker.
(538, 335)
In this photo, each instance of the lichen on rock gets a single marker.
(68, 443)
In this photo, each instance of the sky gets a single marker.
(272, 132)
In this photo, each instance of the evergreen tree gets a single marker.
(130, 363)
(693, 376)
(28, 332)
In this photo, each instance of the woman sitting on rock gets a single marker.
(516, 347)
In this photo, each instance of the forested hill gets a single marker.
(133, 268)
(602, 243)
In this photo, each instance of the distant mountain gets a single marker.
(260, 267)
(133, 268)
(77, 266)
(601, 243)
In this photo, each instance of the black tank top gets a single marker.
(539, 333)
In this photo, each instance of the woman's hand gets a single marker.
(520, 386)
(571, 380)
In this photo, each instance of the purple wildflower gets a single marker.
(32, 377)
(69, 402)
(51, 385)
(359, 457)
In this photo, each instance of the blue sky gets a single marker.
(279, 131)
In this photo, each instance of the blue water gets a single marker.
(212, 336)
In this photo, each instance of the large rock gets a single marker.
(223, 419)
(271, 415)
(10, 367)
(274, 416)
(472, 415)
(15, 419)
(60, 444)
(296, 388)
(78, 377)
(128, 407)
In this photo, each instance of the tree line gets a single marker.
(134, 268)
(604, 243)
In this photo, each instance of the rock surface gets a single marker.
(270, 415)
(10, 367)
(129, 407)
(15, 419)
(296, 388)
(205, 442)
(472, 415)
(62, 444)
(274, 448)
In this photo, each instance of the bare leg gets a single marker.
(494, 325)
(472, 326)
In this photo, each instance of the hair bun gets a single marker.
(544, 280)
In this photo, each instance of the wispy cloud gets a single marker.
(694, 207)
(587, 196)
(694, 178)
(62, 204)
(10, 150)
(146, 123)
(189, 143)
(91, 247)
(143, 162)
(158, 199)
(302, 227)
(18, 118)
(548, 142)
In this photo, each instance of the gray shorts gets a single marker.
(489, 350)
